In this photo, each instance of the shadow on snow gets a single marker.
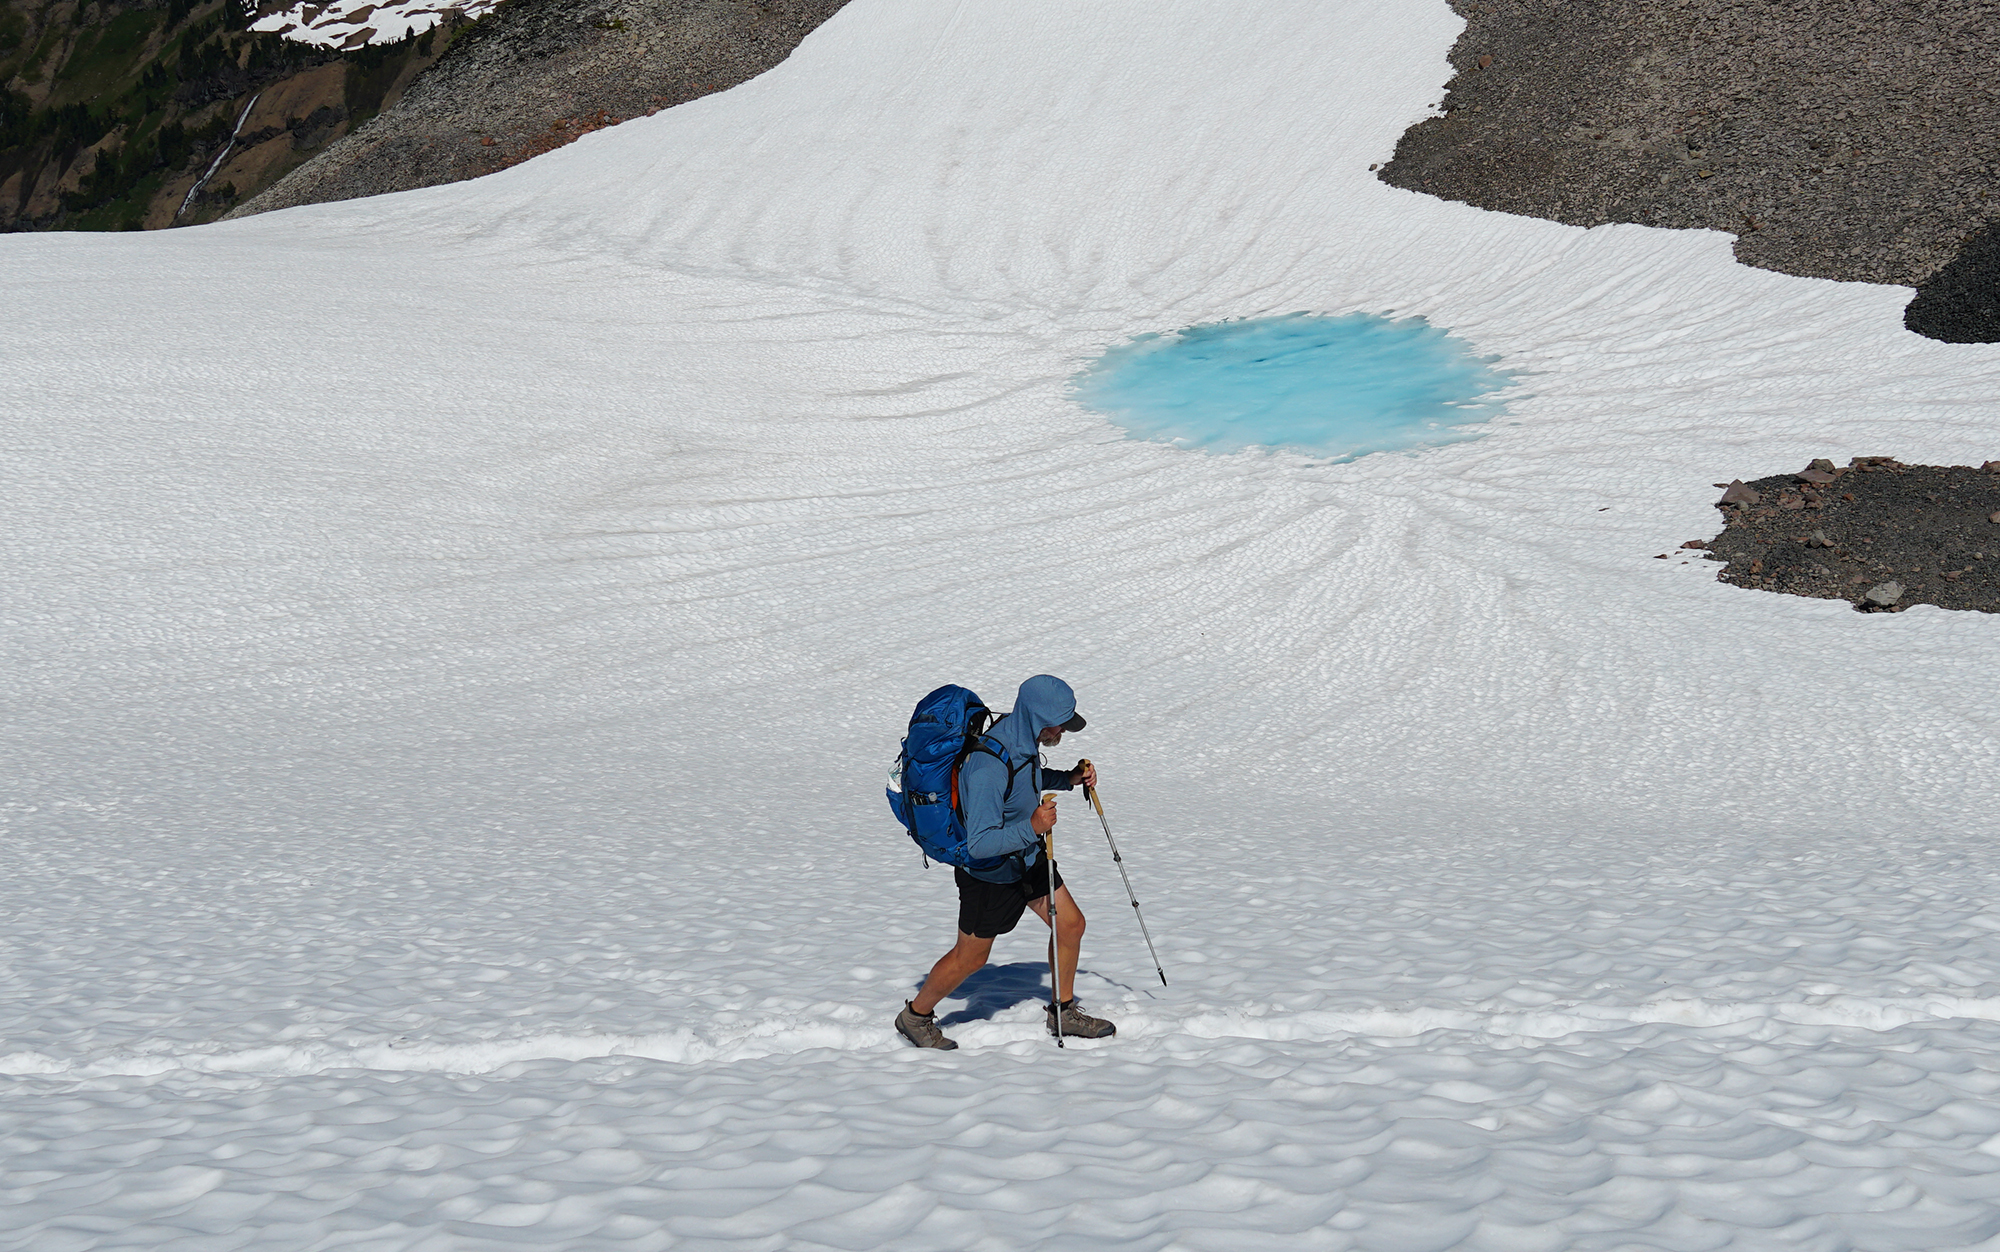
(997, 988)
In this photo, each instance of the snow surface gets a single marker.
(354, 23)
(453, 641)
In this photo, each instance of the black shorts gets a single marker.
(987, 910)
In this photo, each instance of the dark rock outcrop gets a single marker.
(535, 74)
(1961, 302)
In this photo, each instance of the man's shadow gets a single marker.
(996, 988)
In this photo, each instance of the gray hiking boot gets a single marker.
(1077, 1024)
(921, 1028)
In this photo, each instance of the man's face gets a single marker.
(1051, 737)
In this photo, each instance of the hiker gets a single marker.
(1005, 819)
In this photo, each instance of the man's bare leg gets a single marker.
(964, 960)
(1069, 938)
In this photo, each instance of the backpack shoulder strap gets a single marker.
(999, 753)
(994, 749)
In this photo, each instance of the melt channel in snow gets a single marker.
(451, 642)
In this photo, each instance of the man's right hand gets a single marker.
(1043, 820)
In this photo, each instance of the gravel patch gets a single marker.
(1875, 532)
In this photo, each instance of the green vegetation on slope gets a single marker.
(106, 103)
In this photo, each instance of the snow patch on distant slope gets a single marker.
(355, 23)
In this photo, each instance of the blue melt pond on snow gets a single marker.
(1335, 386)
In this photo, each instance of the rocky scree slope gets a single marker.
(1844, 139)
(533, 75)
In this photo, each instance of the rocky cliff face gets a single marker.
(535, 74)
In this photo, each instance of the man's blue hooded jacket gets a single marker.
(996, 815)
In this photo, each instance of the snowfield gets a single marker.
(454, 643)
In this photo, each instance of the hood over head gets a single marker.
(1042, 702)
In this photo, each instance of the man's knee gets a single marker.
(1067, 915)
(972, 949)
(1068, 912)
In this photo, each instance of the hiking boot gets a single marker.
(1077, 1024)
(921, 1028)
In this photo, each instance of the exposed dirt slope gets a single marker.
(535, 74)
(1847, 139)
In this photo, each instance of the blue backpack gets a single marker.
(948, 725)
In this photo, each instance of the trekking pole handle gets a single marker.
(1090, 792)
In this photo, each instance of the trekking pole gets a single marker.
(1090, 793)
(1055, 993)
